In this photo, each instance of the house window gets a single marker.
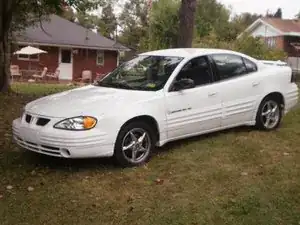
(271, 42)
(100, 58)
(35, 57)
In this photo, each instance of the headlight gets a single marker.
(77, 123)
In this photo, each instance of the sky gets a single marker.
(289, 7)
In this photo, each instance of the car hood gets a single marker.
(89, 100)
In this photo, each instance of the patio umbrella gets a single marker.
(29, 50)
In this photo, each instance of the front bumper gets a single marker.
(61, 143)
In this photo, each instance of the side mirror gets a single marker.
(182, 84)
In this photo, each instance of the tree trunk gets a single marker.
(6, 8)
(186, 23)
(5, 64)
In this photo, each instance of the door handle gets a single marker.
(254, 84)
(211, 94)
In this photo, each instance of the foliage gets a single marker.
(210, 15)
(251, 46)
(164, 24)
(134, 23)
(107, 23)
(277, 14)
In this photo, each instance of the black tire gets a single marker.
(120, 155)
(259, 118)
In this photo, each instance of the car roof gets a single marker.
(191, 52)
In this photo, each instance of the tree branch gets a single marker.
(40, 20)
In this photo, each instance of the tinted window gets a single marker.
(251, 67)
(229, 66)
(198, 70)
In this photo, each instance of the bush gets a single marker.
(248, 45)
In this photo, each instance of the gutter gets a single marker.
(71, 46)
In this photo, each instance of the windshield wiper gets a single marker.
(117, 85)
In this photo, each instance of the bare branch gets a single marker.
(40, 19)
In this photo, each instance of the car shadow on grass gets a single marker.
(174, 144)
(64, 164)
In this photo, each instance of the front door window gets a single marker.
(65, 56)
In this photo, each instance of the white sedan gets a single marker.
(179, 93)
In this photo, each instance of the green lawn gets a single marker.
(239, 176)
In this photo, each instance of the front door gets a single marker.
(196, 110)
(65, 64)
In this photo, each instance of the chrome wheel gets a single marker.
(136, 145)
(270, 115)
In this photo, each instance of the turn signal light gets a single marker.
(89, 122)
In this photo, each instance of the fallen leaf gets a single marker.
(286, 153)
(30, 189)
(9, 187)
(244, 173)
(232, 200)
(159, 181)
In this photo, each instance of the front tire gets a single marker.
(269, 114)
(134, 144)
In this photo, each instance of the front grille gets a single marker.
(50, 150)
(42, 121)
(28, 118)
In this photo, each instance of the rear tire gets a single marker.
(269, 114)
(134, 144)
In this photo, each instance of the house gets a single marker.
(279, 33)
(70, 48)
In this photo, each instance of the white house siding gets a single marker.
(264, 31)
(294, 63)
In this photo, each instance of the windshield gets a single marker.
(149, 73)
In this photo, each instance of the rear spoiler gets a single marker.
(274, 63)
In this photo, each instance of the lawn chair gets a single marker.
(15, 72)
(86, 77)
(54, 76)
(41, 76)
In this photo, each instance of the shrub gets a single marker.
(248, 45)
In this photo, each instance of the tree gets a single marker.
(278, 13)
(107, 23)
(210, 15)
(15, 15)
(163, 24)
(134, 24)
(68, 13)
(186, 23)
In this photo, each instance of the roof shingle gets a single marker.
(283, 24)
(64, 32)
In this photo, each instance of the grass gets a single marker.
(239, 176)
